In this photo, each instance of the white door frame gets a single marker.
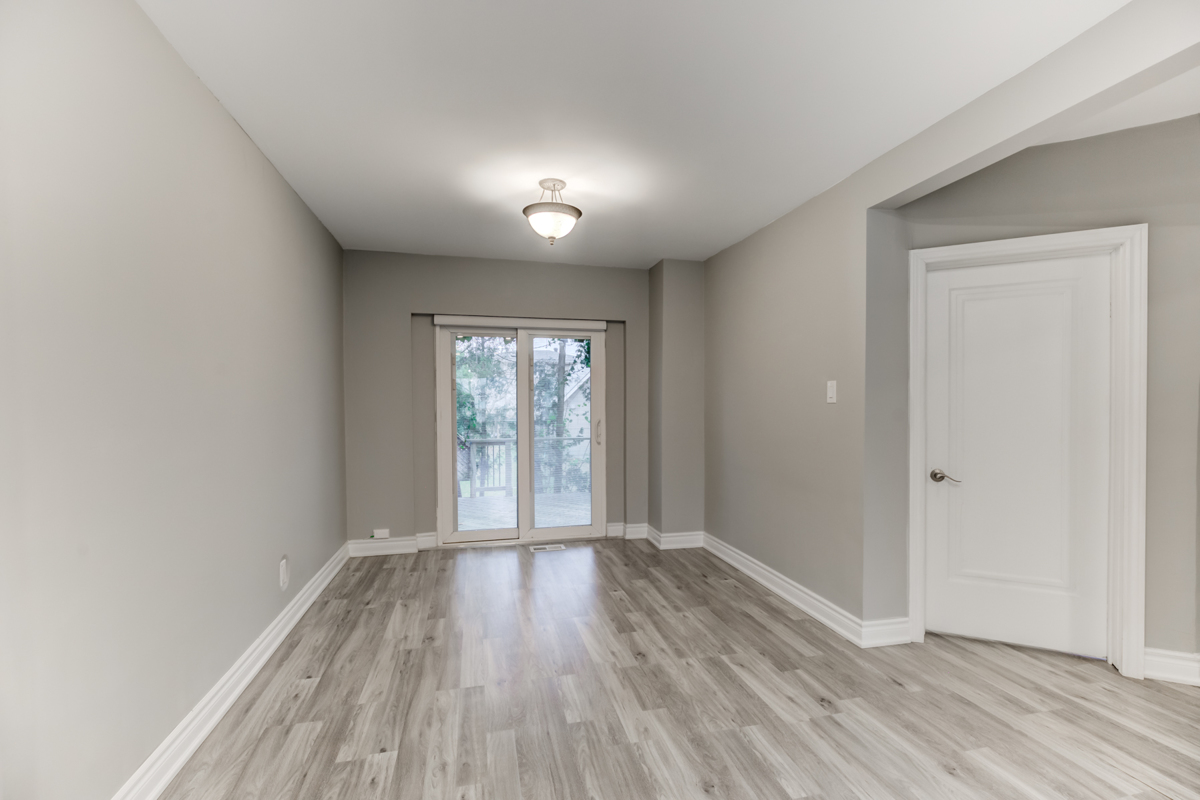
(1126, 248)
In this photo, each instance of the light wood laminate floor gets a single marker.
(611, 670)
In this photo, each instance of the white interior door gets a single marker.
(1017, 410)
(521, 440)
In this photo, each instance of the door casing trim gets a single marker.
(1127, 249)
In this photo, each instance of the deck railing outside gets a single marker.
(490, 463)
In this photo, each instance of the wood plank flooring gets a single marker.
(613, 671)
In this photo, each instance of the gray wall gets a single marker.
(1151, 175)
(885, 467)
(677, 396)
(170, 394)
(784, 469)
(424, 424)
(654, 487)
(389, 390)
(615, 398)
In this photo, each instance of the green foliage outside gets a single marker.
(562, 466)
(486, 405)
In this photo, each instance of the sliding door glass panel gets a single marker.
(485, 372)
(562, 432)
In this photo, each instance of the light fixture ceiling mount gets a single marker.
(552, 219)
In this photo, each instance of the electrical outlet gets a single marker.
(285, 574)
(381, 533)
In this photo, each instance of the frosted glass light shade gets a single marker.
(552, 220)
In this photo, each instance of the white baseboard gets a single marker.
(875, 633)
(616, 530)
(674, 541)
(426, 541)
(1173, 666)
(396, 545)
(637, 530)
(884, 632)
(157, 771)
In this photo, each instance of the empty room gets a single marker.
(599, 401)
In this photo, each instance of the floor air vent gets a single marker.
(541, 548)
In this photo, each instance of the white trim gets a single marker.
(1173, 666)
(427, 541)
(616, 530)
(637, 530)
(520, 322)
(678, 541)
(157, 771)
(1127, 248)
(840, 621)
(396, 545)
(674, 541)
(875, 633)
(884, 632)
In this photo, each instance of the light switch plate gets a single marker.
(831, 391)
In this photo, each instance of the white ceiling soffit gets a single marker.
(679, 127)
(1178, 97)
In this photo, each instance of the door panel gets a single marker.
(1017, 410)
(993, 538)
(565, 408)
(562, 432)
(484, 410)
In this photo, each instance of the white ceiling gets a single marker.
(1178, 97)
(679, 126)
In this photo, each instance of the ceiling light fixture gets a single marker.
(553, 219)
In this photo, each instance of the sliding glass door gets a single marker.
(520, 433)
(485, 434)
(566, 433)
